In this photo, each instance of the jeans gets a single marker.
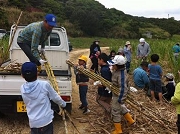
(48, 129)
(27, 50)
(82, 93)
(127, 66)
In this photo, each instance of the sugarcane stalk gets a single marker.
(115, 90)
(54, 83)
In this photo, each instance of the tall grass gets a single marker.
(161, 47)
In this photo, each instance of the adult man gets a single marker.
(143, 49)
(140, 76)
(176, 50)
(128, 53)
(36, 34)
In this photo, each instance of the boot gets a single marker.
(118, 129)
(130, 120)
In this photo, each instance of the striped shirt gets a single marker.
(33, 35)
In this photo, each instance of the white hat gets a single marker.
(118, 60)
(169, 76)
(141, 40)
(128, 42)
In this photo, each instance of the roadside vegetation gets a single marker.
(162, 47)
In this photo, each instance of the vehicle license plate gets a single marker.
(21, 107)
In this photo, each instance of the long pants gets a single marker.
(94, 66)
(178, 123)
(117, 109)
(128, 66)
(48, 129)
(82, 93)
(104, 102)
(27, 50)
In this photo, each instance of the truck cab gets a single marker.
(56, 51)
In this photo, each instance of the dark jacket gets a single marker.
(105, 73)
(80, 77)
(93, 49)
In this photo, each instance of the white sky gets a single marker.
(146, 8)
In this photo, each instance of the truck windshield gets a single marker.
(54, 39)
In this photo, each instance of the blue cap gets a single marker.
(29, 68)
(51, 19)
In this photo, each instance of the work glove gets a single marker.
(109, 90)
(42, 51)
(96, 83)
(42, 61)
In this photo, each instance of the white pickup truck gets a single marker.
(57, 52)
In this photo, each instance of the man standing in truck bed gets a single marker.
(36, 34)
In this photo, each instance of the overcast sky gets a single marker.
(146, 8)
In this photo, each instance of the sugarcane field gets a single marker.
(150, 117)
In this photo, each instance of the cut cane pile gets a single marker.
(158, 118)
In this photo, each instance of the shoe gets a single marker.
(81, 107)
(86, 111)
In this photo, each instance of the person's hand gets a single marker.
(42, 61)
(42, 51)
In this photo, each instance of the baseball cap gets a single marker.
(82, 57)
(118, 60)
(29, 68)
(51, 19)
(169, 76)
(141, 40)
(121, 50)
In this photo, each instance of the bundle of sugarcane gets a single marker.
(54, 83)
(11, 68)
(116, 91)
(50, 74)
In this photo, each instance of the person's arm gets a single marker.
(35, 43)
(138, 52)
(176, 98)
(148, 50)
(52, 94)
(145, 78)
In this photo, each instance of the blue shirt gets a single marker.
(127, 53)
(176, 49)
(140, 77)
(155, 72)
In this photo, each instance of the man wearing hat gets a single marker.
(143, 49)
(36, 34)
(128, 53)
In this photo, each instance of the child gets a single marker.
(175, 100)
(82, 81)
(170, 87)
(104, 97)
(155, 74)
(119, 79)
(36, 95)
(112, 54)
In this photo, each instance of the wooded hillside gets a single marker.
(87, 18)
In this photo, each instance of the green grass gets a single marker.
(161, 47)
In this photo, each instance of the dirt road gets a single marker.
(86, 124)
(95, 122)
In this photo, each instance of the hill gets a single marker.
(87, 18)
